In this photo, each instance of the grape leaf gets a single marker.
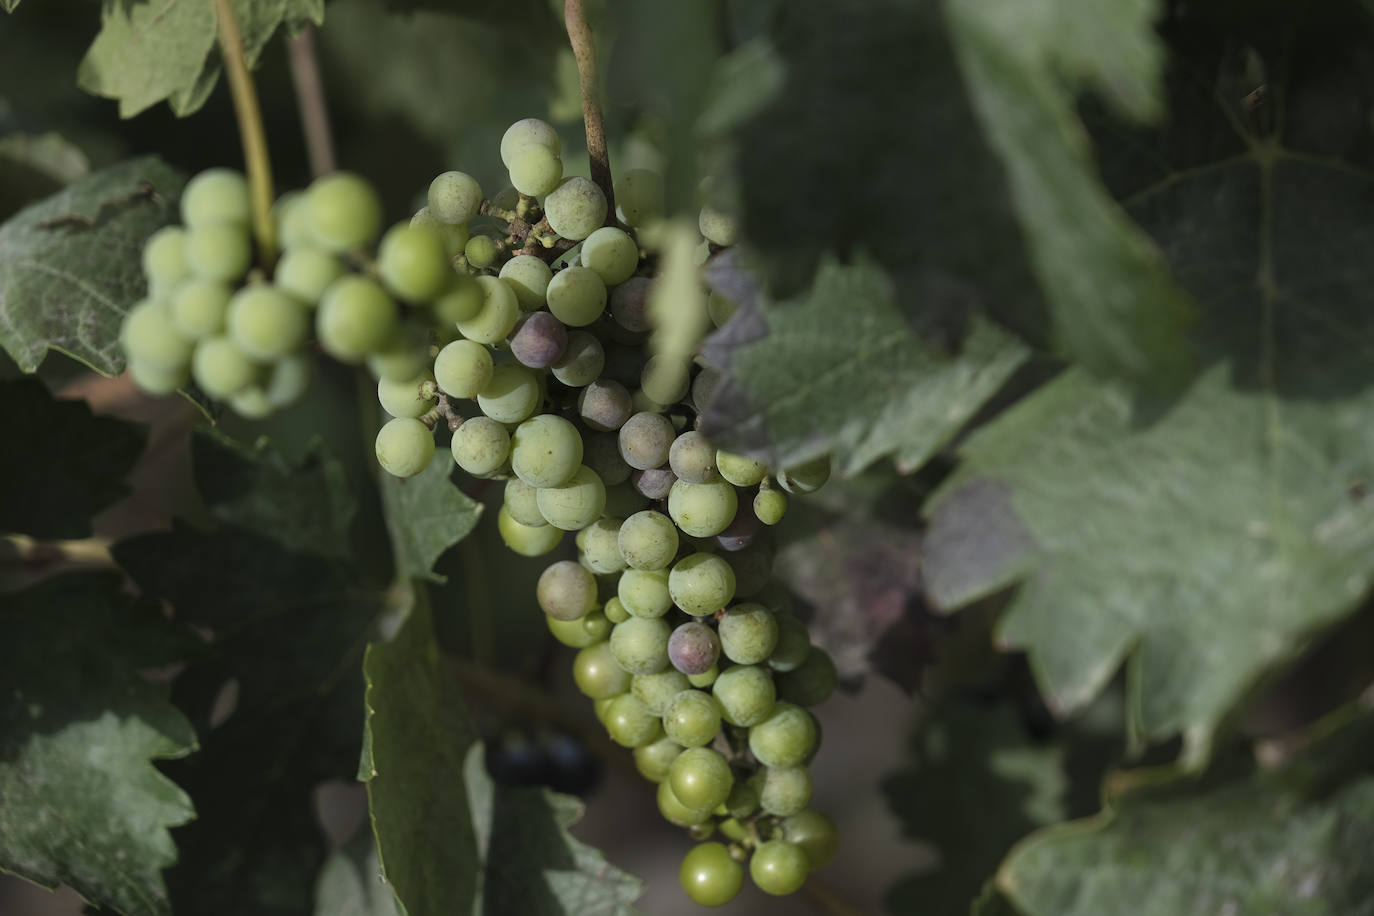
(9, 6)
(80, 800)
(32, 166)
(70, 265)
(350, 883)
(427, 514)
(1201, 539)
(803, 378)
(71, 466)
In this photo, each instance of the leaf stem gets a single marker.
(310, 101)
(251, 133)
(584, 50)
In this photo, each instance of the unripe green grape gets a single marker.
(717, 227)
(566, 591)
(306, 272)
(706, 679)
(520, 500)
(574, 505)
(288, 379)
(413, 262)
(454, 197)
(404, 356)
(720, 309)
(601, 551)
(481, 446)
(657, 689)
(612, 254)
(481, 251)
(640, 644)
(345, 211)
(527, 540)
(576, 296)
(814, 833)
(700, 778)
(630, 723)
(739, 470)
(498, 314)
(674, 811)
(578, 634)
(221, 369)
(156, 379)
(623, 500)
(356, 317)
(529, 277)
(702, 509)
(164, 260)
(785, 791)
(709, 876)
(693, 648)
(701, 584)
(265, 322)
(216, 196)
(691, 717)
(454, 235)
(511, 395)
(405, 447)
(786, 738)
(639, 197)
(665, 379)
(645, 404)
(645, 440)
(576, 208)
(535, 171)
(291, 213)
(463, 369)
(582, 361)
(546, 451)
(615, 610)
(648, 540)
(525, 133)
(778, 867)
(770, 506)
(403, 398)
(462, 301)
(251, 403)
(601, 453)
(692, 458)
(149, 337)
(597, 674)
(599, 708)
(746, 694)
(748, 633)
(806, 477)
(743, 800)
(644, 592)
(810, 683)
(794, 644)
(218, 251)
(653, 760)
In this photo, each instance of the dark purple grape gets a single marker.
(654, 483)
(539, 340)
(601, 453)
(630, 304)
(693, 648)
(645, 439)
(604, 405)
(740, 533)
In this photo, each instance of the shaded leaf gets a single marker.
(427, 514)
(351, 882)
(32, 166)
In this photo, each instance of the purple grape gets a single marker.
(654, 483)
(601, 453)
(693, 648)
(645, 439)
(539, 340)
(630, 304)
(740, 533)
(604, 405)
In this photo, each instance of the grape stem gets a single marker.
(584, 50)
(310, 101)
(251, 133)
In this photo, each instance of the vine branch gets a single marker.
(251, 133)
(584, 50)
(310, 101)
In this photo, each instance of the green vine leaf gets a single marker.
(80, 800)
(427, 514)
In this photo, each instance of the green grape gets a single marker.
(794, 643)
(403, 357)
(674, 811)
(511, 395)
(404, 398)
(770, 506)
(345, 211)
(582, 360)
(807, 477)
(576, 208)
(720, 309)
(481, 446)
(601, 550)
(612, 254)
(216, 196)
(700, 778)
(746, 694)
(454, 197)
(306, 272)
(691, 717)
(717, 227)
(291, 213)
(356, 317)
(709, 876)
(739, 470)
(576, 296)
(527, 540)
(463, 369)
(156, 379)
(640, 644)
(665, 379)
(535, 171)
(574, 505)
(149, 337)
(579, 634)
(657, 689)
(566, 591)
(786, 738)
(648, 540)
(462, 301)
(778, 867)
(251, 403)
(546, 451)
(692, 458)
(812, 682)
(481, 251)
(597, 674)
(785, 790)
(520, 500)
(413, 262)
(639, 197)
(701, 584)
(702, 509)
(743, 800)
(653, 760)
(164, 260)
(497, 317)
(525, 133)
(615, 610)
(624, 500)
(706, 679)
(630, 723)
(644, 592)
(405, 447)
(267, 323)
(602, 454)
(221, 369)
(218, 251)
(288, 379)
(814, 833)
(529, 277)
(455, 235)
(645, 440)
(748, 633)
(599, 707)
